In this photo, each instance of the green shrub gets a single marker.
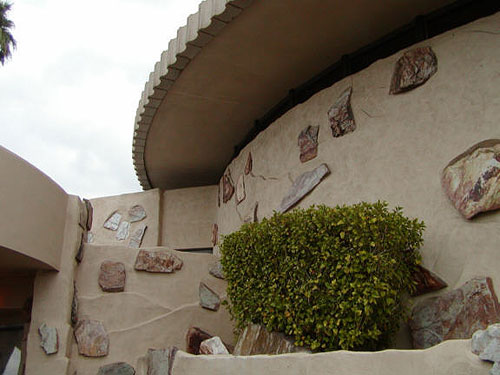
(332, 278)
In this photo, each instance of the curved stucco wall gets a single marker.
(33, 215)
(397, 152)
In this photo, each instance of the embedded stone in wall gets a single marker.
(215, 234)
(208, 298)
(81, 247)
(117, 368)
(256, 339)
(216, 270)
(218, 194)
(90, 213)
(413, 69)
(91, 338)
(135, 240)
(302, 186)
(194, 337)
(427, 281)
(455, 315)
(248, 164)
(160, 361)
(308, 143)
(113, 221)
(90, 237)
(122, 232)
(159, 261)
(112, 276)
(240, 190)
(213, 346)
(74, 306)
(486, 344)
(340, 115)
(251, 217)
(49, 339)
(227, 188)
(136, 213)
(472, 179)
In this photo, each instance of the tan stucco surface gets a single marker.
(33, 216)
(53, 293)
(449, 358)
(188, 216)
(401, 144)
(154, 311)
(105, 206)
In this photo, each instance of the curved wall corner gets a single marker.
(396, 153)
(33, 216)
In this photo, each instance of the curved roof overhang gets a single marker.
(231, 63)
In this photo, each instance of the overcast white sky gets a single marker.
(69, 94)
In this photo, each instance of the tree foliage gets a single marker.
(7, 41)
(332, 278)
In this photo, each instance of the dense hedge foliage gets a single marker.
(332, 278)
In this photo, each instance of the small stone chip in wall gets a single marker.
(215, 234)
(117, 368)
(413, 69)
(216, 270)
(240, 190)
(91, 338)
(136, 238)
(159, 261)
(227, 188)
(136, 213)
(49, 339)
(113, 221)
(340, 115)
(208, 298)
(308, 143)
(251, 217)
(112, 276)
(248, 164)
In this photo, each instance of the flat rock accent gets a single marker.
(413, 69)
(248, 164)
(215, 234)
(159, 261)
(136, 213)
(90, 213)
(208, 298)
(81, 248)
(160, 361)
(251, 217)
(123, 229)
(136, 238)
(472, 179)
(117, 368)
(454, 315)
(302, 186)
(216, 270)
(427, 281)
(113, 221)
(486, 344)
(91, 338)
(340, 115)
(49, 339)
(255, 339)
(194, 337)
(112, 276)
(240, 190)
(308, 143)
(213, 346)
(227, 188)
(74, 306)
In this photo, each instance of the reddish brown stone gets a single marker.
(227, 188)
(248, 164)
(112, 276)
(157, 261)
(215, 234)
(413, 69)
(427, 281)
(308, 143)
(194, 337)
(91, 338)
(456, 314)
(340, 115)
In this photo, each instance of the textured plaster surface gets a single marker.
(155, 311)
(104, 207)
(401, 144)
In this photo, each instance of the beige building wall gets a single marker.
(401, 145)
(33, 215)
(188, 216)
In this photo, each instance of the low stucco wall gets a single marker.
(33, 214)
(188, 216)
